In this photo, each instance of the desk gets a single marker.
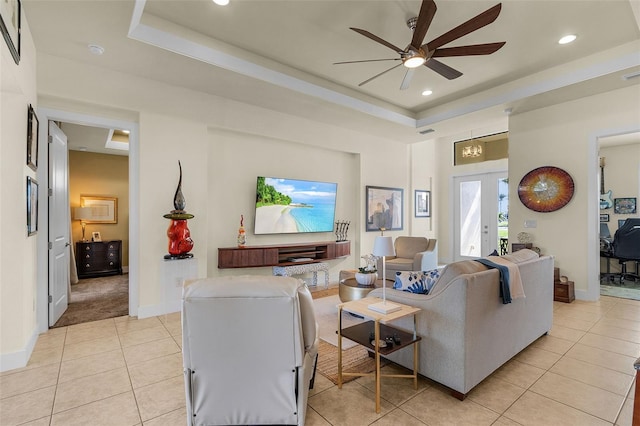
(361, 333)
(303, 268)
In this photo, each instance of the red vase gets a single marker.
(180, 242)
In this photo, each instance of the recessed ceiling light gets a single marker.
(567, 39)
(96, 49)
(427, 93)
(221, 2)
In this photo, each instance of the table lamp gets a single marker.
(82, 214)
(383, 246)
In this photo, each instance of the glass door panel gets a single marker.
(481, 215)
(470, 218)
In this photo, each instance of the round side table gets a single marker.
(349, 289)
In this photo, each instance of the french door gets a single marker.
(481, 214)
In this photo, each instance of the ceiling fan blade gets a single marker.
(378, 75)
(427, 12)
(407, 78)
(365, 60)
(475, 23)
(474, 49)
(444, 70)
(377, 39)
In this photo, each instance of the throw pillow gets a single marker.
(420, 282)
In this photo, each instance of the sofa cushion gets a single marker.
(416, 281)
(521, 256)
(400, 264)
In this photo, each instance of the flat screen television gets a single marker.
(290, 206)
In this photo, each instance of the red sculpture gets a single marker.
(180, 242)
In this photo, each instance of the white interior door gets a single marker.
(59, 239)
(481, 210)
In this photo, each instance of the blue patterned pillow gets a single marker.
(416, 281)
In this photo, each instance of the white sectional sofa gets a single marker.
(467, 332)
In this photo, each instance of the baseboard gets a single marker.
(125, 269)
(159, 309)
(19, 359)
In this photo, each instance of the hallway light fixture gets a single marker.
(472, 151)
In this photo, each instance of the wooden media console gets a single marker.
(282, 255)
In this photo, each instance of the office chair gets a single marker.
(606, 251)
(626, 247)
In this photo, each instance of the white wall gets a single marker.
(565, 136)
(235, 161)
(18, 252)
(422, 158)
(223, 146)
(163, 141)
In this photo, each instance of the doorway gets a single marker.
(133, 208)
(481, 214)
(98, 192)
(619, 161)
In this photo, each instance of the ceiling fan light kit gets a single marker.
(414, 61)
(417, 54)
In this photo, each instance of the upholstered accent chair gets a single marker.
(249, 346)
(412, 254)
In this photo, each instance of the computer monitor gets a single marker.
(604, 231)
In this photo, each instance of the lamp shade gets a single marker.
(383, 246)
(82, 213)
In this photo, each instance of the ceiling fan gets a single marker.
(417, 54)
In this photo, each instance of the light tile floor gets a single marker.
(125, 371)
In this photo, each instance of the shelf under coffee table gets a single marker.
(361, 334)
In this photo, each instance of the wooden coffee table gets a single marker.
(349, 289)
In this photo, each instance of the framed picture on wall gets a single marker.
(384, 208)
(624, 205)
(103, 209)
(10, 11)
(604, 217)
(32, 139)
(422, 203)
(32, 206)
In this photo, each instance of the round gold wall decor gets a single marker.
(546, 189)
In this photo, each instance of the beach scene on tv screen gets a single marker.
(286, 206)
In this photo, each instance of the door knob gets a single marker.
(67, 244)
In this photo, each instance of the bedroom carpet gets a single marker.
(95, 299)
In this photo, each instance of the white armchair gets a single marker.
(412, 254)
(249, 347)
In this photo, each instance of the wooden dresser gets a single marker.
(97, 259)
